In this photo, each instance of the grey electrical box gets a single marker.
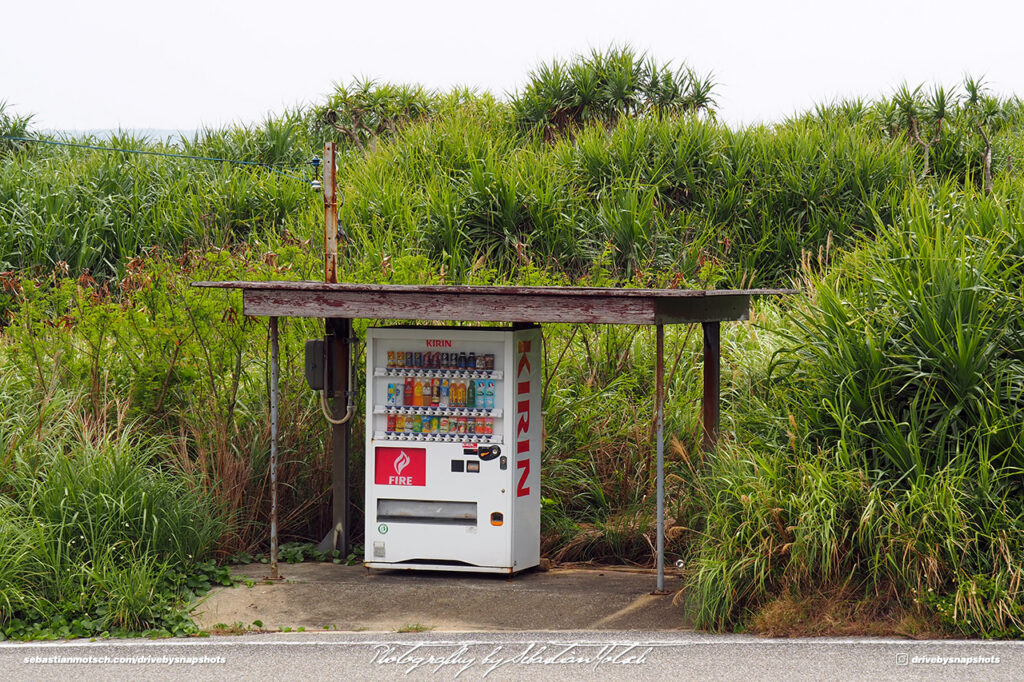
(315, 364)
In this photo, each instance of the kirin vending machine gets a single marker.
(453, 436)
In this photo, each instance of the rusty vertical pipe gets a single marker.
(337, 359)
(659, 391)
(330, 188)
(274, 364)
(712, 380)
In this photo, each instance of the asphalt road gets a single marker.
(631, 655)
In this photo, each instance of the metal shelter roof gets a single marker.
(589, 305)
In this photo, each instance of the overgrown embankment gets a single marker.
(877, 416)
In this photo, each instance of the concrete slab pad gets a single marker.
(324, 595)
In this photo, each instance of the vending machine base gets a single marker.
(453, 435)
(442, 567)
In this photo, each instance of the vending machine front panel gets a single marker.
(453, 448)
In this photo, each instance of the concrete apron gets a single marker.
(323, 595)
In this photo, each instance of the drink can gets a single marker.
(391, 359)
(391, 423)
(443, 426)
(417, 424)
(471, 425)
(428, 398)
(489, 360)
(408, 423)
(428, 425)
(399, 423)
(435, 394)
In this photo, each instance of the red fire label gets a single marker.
(401, 466)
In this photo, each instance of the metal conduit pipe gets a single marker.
(351, 405)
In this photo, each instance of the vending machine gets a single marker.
(453, 436)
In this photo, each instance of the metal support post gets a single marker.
(338, 343)
(712, 381)
(274, 365)
(660, 428)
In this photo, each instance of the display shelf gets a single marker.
(403, 372)
(437, 437)
(439, 411)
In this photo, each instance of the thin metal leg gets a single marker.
(660, 427)
(273, 447)
(712, 380)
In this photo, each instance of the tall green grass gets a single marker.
(97, 525)
(883, 452)
(661, 188)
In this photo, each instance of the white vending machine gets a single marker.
(453, 436)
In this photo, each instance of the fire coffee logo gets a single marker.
(401, 462)
(400, 466)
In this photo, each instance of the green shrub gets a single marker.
(884, 451)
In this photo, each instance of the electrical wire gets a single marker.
(145, 152)
(350, 409)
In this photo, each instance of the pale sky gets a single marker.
(181, 65)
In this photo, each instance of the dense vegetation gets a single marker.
(874, 457)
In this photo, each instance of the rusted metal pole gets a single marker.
(712, 380)
(330, 213)
(338, 333)
(659, 391)
(274, 365)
